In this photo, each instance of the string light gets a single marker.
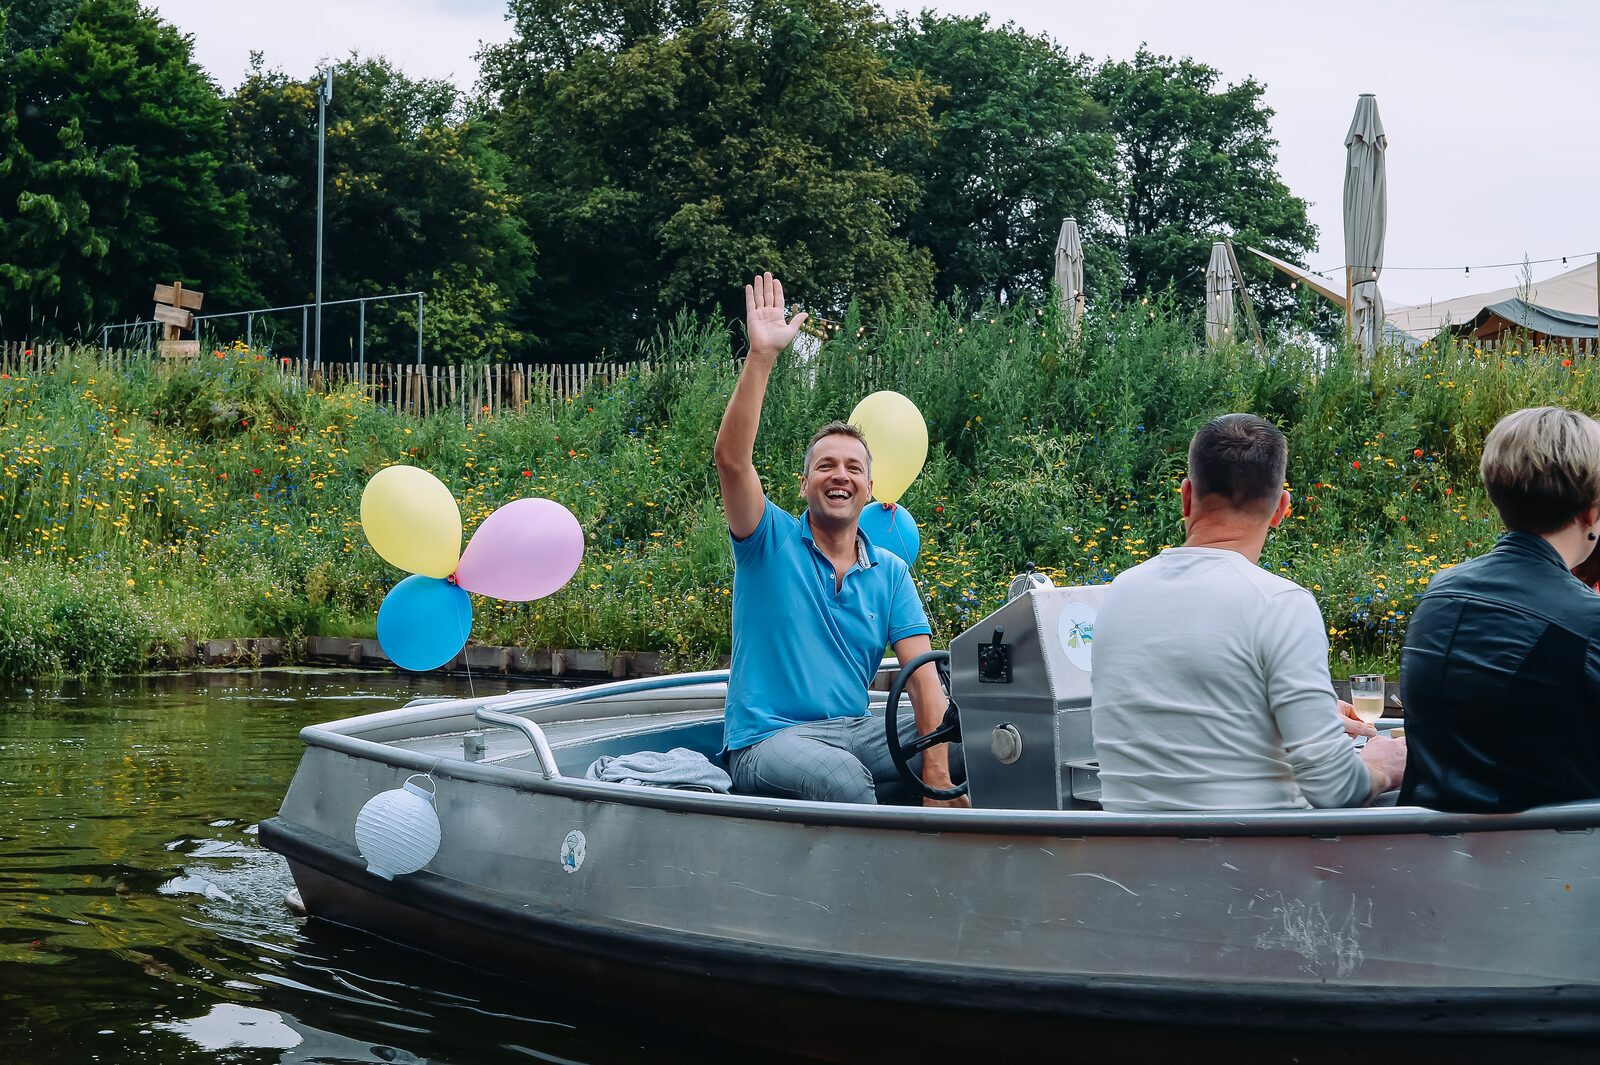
(1562, 259)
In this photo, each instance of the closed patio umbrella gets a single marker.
(1366, 217)
(1219, 295)
(1069, 271)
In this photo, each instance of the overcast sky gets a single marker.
(1493, 155)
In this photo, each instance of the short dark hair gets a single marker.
(1239, 456)
(836, 428)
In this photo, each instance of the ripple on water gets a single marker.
(141, 921)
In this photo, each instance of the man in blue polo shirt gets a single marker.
(814, 605)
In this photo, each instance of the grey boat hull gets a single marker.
(1023, 926)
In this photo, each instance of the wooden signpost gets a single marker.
(175, 307)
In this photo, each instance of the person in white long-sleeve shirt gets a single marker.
(1211, 685)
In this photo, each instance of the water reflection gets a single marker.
(140, 920)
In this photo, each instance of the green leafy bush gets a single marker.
(1063, 453)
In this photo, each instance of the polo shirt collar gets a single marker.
(866, 554)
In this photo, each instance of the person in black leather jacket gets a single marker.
(1500, 674)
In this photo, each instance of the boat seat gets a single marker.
(573, 758)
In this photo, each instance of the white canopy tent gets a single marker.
(1572, 290)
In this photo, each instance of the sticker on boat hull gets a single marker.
(1077, 634)
(573, 849)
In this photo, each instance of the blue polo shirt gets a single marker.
(802, 652)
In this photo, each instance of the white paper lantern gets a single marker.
(397, 831)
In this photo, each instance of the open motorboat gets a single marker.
(1019, 924)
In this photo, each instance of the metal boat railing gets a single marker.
(535, 734)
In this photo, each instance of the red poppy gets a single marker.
(1566, 362)
(1356, 465)
(527, 473)
(256, 472)
(938, 510)
(1418, 452)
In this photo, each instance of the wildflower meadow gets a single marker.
(221, 498)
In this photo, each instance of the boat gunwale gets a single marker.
(341, 737)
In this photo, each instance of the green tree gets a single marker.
(112, 143)
(1195, 162)
(415, 199)
(1020, 146)
(667, 149)
(34, 23)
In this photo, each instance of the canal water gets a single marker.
(141, 921)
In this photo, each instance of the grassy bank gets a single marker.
(218, 499)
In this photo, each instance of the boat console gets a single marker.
(1019, 684)
(1021, 680)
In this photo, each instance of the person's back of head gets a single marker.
(1238, 460)
(1541, 468)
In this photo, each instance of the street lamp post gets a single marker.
(324, 97)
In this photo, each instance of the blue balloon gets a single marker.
(891, 527)
(423, 622)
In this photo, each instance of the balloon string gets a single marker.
(466, 657)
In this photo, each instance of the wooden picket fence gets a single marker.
(1583, 347)
(474, 392)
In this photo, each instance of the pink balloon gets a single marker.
(525, 550)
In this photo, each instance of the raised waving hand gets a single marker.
(765, 319)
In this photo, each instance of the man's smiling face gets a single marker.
(838, 484)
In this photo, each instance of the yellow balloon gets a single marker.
(412, 521)
(898, 439)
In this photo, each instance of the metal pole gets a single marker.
(1349, 304)
(1249, 309)
(419, 329)
(302, 332)
(324, 96)
(250, 331)
(361, 342)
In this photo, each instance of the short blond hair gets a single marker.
(1541, 467)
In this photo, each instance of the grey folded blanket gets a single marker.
(679, 768)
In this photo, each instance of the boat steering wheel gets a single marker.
(949, 730)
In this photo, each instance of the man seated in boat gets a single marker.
(814, 605)
(1501, 667)
(1211, 686)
